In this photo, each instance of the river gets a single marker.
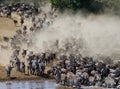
(37, 84)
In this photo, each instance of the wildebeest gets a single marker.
(52, 71)
(22, 67)
(24, 52)
(8, 70)
(22, 21)
(41, 68)
(6, 39)
(29, 65)
(3, 47)
(15, 22)
(110, 82)
(17, 64)
(58, 75)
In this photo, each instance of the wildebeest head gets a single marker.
(6, 39)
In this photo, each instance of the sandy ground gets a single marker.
(15, 75)
(83, 87)
(19, 76)
(7, 27)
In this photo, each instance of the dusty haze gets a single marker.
(90, 35)
(94, 34)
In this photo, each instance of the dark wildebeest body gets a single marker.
(24, 52)
(22, 21)
(15, 22)
(22, 67)
(29, 64)
(8, 70)
(17, 64)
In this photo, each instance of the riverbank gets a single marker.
(15, 75)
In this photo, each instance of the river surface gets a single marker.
(37, 84)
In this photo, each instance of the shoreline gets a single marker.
(25, 79)
(18, 76)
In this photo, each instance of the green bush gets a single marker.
(1, 0)
(62, 4)
(90, 5)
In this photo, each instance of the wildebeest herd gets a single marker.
(69, 70)
(22, 9)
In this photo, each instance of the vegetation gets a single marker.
(90, 5)
(1, 0)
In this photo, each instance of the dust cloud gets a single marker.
(5, 57)
(91, 35)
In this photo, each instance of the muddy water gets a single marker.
(28, 85)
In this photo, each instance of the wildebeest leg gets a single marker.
(36, 71)
(28, 70)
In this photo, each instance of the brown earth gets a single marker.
(7, 27)
(16, 75)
